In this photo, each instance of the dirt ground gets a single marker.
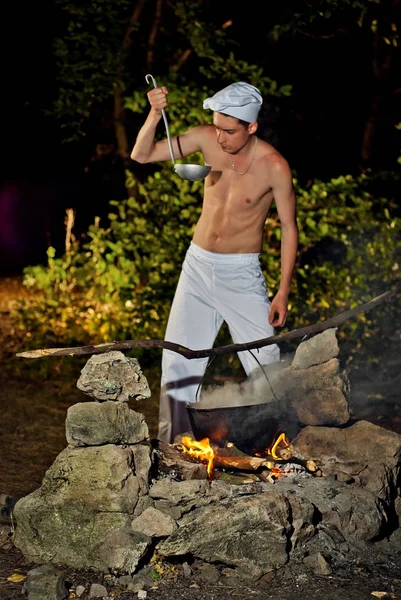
(359, 580)
(34, 398)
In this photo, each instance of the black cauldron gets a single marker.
(251, 428)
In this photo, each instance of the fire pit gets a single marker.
(210, 500)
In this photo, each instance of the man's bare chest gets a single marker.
(226, 188)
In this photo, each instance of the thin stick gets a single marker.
(231, 348)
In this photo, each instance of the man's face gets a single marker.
(231, 134)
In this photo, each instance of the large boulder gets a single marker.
(249, 533)
(81, 516)
(364, 454)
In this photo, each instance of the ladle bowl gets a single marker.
(185, 171)
(192, 172)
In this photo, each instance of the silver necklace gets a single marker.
(249, 166)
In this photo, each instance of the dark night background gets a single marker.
(320, 128)
(40, 175)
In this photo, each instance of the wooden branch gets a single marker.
(119, 125)
(328, 36)
(123, 149)
(182, 60)
(136, 15)
(229, 349)
(153, 34)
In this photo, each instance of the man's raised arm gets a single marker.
(146, 150)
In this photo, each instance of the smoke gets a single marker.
(260, 387)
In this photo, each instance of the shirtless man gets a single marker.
(221, 278)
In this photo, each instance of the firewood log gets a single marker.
(172, 461)
(242, 463)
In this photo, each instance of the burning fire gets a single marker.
(281, 445)
(201, 450)
(281, 449)
(273, 449)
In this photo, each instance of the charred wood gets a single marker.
(170, 460)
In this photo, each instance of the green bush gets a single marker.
(119, 284)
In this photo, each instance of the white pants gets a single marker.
(212, 288)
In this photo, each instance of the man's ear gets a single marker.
(252, 127)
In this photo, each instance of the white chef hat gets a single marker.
(241, 100)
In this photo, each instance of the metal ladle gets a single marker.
(185, 171)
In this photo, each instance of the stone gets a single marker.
(353, 512)
(102, 477)
(268, 577)
(176, 498)
(143, 464)
(97, 591)
(81, 516)
(123, 549)
(323, 407)
(46, 583)
(320, 395)
(113, 376)
(318, 564)
(154, 523)
(7, 504)
(205, 572)
(142, 580)
(143, 503)
(97, 508)
(175, 512)
(303, 516)
(369, 454)
(397, 507)
(250, 533)
(316, 350)
(177, 492)
(5, 534)
(186, 570)
(94, 424)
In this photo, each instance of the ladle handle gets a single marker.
(170, 145)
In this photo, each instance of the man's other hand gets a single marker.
(278, 310)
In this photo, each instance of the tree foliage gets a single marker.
(373, 25)
(118, 283)
(106, 48)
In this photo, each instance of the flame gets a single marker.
(201, 450)
(280, 440)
